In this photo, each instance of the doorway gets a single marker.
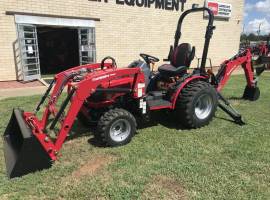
(46, 49)
(58, 49)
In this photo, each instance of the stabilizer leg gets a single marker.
(224, 105)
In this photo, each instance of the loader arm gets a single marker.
(78, 93)
(60, 81)
(81, 82)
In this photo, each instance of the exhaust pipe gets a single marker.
(23, 152)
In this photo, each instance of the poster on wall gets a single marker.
(220, 10)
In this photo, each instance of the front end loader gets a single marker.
(28, 145)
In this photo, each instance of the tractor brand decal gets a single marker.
(103, 77)
(100, 77)
(220, 10)
(174, 5)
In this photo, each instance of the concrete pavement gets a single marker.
(18, 92)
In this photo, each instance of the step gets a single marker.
(155, 95)
(156, 104)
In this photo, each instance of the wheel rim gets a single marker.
(203, 106)
(120, 130)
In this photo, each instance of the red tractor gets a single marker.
(112, 98)
(263, 54)
(260, 54)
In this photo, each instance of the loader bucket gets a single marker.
(23, 152)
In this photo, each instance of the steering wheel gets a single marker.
(108, 58)
(149, 59)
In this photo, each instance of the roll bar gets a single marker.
(208, 34)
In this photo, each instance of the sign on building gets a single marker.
(220, 10)
(174, 5)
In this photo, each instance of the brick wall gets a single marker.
(125, 31)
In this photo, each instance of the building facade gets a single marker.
(45, 37)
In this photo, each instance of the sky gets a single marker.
(257, 12)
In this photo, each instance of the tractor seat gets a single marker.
(170, 70)
(180, 59)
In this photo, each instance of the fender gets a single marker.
(182, 85)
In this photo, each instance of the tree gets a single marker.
(252, 37)
(243, 37)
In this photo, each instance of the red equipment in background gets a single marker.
(264, 54)
(260, 53)
(261, 49)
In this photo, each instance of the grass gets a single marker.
(220, 161)
(47, 76)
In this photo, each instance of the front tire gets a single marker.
(197, 104)
(116, 127)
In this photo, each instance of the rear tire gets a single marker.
(197, 104)
(116, 127)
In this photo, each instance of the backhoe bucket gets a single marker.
(23, 152)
